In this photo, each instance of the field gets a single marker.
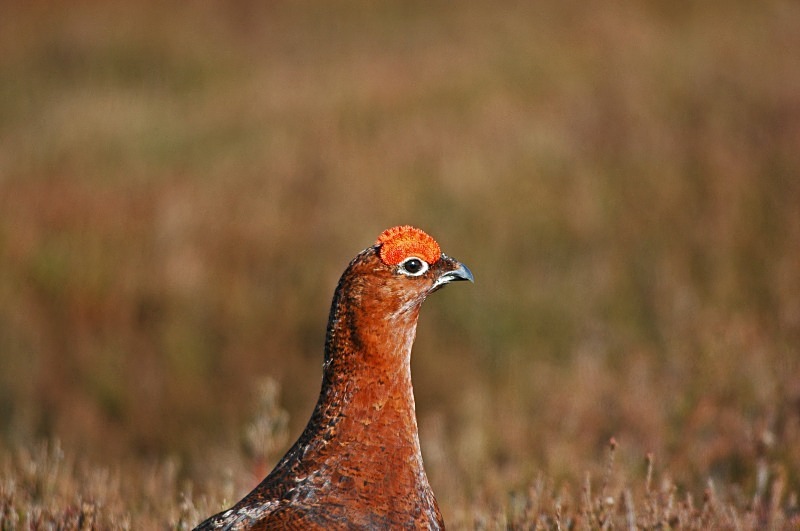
(182, 183)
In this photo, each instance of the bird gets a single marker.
(358, 463)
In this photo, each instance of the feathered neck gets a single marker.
(367, 370)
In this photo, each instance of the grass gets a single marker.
(182, 184)
(45, 489)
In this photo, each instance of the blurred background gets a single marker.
(181, 185)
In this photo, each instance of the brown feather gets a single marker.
(358, 463)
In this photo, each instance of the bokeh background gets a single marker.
(182, 183)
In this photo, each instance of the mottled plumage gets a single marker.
(358, 464)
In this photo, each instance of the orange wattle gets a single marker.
(398, 243)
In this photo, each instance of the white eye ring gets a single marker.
(413, 266)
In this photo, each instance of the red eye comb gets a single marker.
(398, 243)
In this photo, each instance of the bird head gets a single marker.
(377, 301)
(413, 254)
(403, 267)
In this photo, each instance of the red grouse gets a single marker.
(358, 464)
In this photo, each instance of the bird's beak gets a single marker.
(451, 270)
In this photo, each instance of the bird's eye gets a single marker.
(413, 266)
